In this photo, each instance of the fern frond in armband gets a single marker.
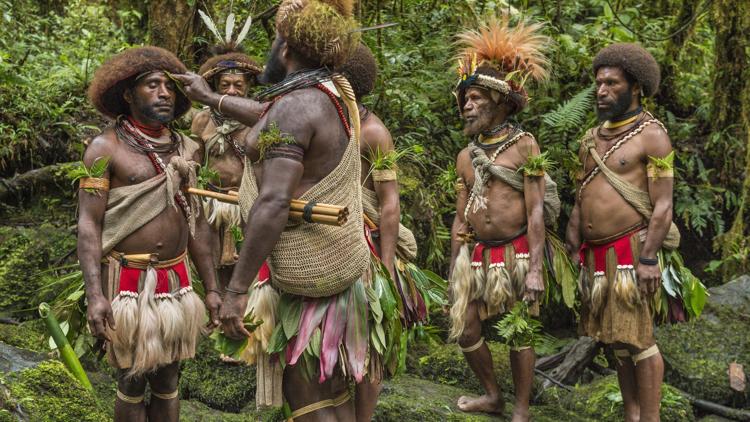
(91, 179)
(271, 139)
(537, 165)
(660, 167)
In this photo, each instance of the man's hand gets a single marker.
(213, 303)
(196, 88)
(534, 286)
(99, 315)
(649, 279)
(231, 315)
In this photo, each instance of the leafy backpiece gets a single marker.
(97, 170)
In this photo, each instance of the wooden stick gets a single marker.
(370, 224)
(299, 205)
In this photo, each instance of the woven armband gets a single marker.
(290, 151)
(93, 184)
(384, 175)
(273, 143)
(660, 167)
(460, 186)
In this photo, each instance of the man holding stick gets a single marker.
(305, 146)
(135, 228)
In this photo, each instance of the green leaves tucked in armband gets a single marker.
(660, 167)
(272, 138)
(90, 179)
(537, 165)
(384, 165)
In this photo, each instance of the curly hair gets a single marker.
(118, 74)
(361, 70)
(634, 60)
(214, 66)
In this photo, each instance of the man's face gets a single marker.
(614, 93)
(275, 70)
(479, 111)
(153, 97)
(232, 84)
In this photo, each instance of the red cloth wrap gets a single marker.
(129, 278)
(264, 274)
(497, 253)
(623, 252)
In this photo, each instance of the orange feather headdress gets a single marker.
(501, 58)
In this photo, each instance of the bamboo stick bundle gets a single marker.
(333, 215)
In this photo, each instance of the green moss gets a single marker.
(24, 253)
(601, 400)
(195, 411)
(49, 393)
(219, 385)
(29, 335)
(697, 354)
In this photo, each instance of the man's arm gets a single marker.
(660, 189)
(462, 198)
(573, 233)
(270, 212)
(533, 193)
(91, 209)
(388, 198)
(242, 109)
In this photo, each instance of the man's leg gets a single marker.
(165, 403)
(628, 383)
(522, 367)
(649, 372)
(329, 400)
(366, 398)
(129, 406)
(478, 356)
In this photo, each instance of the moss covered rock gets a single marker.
(220, 385)
(601, 401)
(25, 252)
(697, 354)
(447, 365)
(195, 411)
(48, 392)
(29, 335)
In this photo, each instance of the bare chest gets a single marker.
(622, 159)
(130, 167)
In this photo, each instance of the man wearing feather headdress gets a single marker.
(135, 228)
(622, 221)
(393, 246)
(504, 199)
(326, 317)
(230, 73)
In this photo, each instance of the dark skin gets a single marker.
(602, 212)
(377, 137)
(507, 212)
(309, 116)
(228, 165)
(166, 235)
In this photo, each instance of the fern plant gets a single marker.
(97, 170)
(570, 115)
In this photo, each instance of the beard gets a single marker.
(617, 108)
(275, 71)
(482, 122)
(150, 111)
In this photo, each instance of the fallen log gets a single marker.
(45, 178)
(580, 356)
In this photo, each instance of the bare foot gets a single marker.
(485, 403)
(520, 414)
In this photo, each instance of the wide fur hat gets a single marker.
(634, 60)
(320, 30)
(502, 58)
(230, 61)
(113, 77)
(361, 70)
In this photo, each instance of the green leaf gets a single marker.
(228, 346)
(278, 340)
(290, 307)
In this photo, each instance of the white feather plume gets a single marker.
(210, 25)
(244, 31)
(229, 28)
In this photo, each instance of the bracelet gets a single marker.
(217, 291)
(237, 292)
(648, 261)
(218, 106)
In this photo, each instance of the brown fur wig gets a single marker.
(361, 70)
(633, 60)
(214, 66)
(118, 73)
(319, 30)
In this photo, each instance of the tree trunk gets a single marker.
(172, 24)
(576, 360)
(731, 116)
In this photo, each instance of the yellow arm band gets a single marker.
(660, 167)
(94, 183)
(384, 175)
(460, 186)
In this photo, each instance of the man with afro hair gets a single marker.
(135, 229)
(621, 220)
(230, 74)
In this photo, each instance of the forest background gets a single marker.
(49, 50)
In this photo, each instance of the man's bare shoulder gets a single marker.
(375, 135)
(463, 161)
(103, 145)
(200, 121)
(655, 141)
(527, 146)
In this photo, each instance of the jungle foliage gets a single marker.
(48, 58)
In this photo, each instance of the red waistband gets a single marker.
(622, 248)
(497, 253)
(129, 278)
